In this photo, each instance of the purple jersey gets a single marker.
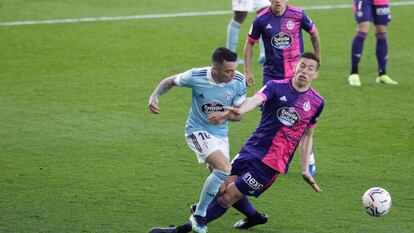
(285, 115)
(282, 37)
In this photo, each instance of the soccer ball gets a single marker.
(376, 201)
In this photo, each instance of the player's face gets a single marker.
(305, 72)
(278, 5)
(224, 73)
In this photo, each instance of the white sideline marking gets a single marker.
(170, 15)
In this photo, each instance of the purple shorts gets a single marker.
(254, 177)
(365, 11)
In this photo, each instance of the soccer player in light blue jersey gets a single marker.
(240, 9)
(213, 89)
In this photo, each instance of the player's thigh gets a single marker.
(218, 160)
(259, 5)
(362, 11)
(381, 15)
(242, 5)
(203, 144)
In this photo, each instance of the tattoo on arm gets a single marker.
(163, 87)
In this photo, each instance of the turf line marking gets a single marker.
(170, 15)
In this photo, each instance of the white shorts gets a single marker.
(204, 144)
(249, 5)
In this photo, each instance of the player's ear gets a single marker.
(315, 76)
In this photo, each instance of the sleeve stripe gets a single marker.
(251, 39)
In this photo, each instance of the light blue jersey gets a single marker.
(209, 97)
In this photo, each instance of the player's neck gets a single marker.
(214, 77)
(300, 88)
(279, 12)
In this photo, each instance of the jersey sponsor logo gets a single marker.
(383, 11)
(213, 107)
(306, 106)
(252, 182)
(269, 26)
(281, 41)
(288, 116)
(283, 98)
(290, 24)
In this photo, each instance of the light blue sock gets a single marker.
(233, 31)
(210, 189)
(262, 49)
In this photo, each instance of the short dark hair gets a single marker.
(222, 54)
(312, 56)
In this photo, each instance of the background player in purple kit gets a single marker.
(290, 111)
(280, 26)
(365, 12)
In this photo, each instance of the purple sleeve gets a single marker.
(315, 118)
(254, 32)
(267, 91)
(307, 23)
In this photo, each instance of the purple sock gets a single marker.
(245, 207)
(382, 52)
(357, 47)
(215, 209)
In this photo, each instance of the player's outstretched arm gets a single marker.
(305, 150)
(251, 103)
(230, 113)
(236, 114)
(162, 88)
(248, 53)
(316, 43)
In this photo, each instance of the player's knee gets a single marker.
(380, 29)
(240, 16)
(363, 27)
(220, 174)
(231, 195)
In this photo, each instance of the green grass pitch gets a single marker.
(80, 152)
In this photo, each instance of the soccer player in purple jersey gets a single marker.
(291, 108)
(281, 27)
(366, 11)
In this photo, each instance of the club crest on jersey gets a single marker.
(290, 24)
(213, 107)
(306, 106)
(229, 96)
(288, 116)
(281, 41)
